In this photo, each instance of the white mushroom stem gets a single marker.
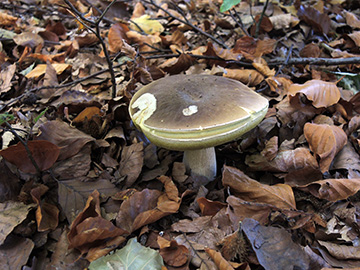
(201, 162)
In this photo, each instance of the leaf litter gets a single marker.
(79, 182)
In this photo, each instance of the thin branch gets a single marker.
(87, 23)
(261, 18)
(238, 21)
(314, 61)
(189, 24)
(69, 84)
(286, 60)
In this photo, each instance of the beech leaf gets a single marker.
(321, 93)
(325, 141)
(280, 195)
(333, 189)
(43, 152)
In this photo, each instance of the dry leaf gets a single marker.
(325, 141)
(7, 20)
(246, 76)
(132, 160)
(244, 187)
(333, 189)
(89, 230)
(44, 154)
(208, 207)
(41, 69)
(148, 206)
(117, 33)
(219, 260)
(321, 93)
(146, 24)
(173, 254)
(47, 215)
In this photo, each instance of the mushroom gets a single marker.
(194, 113)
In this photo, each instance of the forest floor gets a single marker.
(81, 187)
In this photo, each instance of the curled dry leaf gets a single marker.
(321, 93)
(46, 214)
(148, 206)
(89, 230)
(117, 33)
(208, 207)
(218, 259)
(173, 254)
(325, 141)
(333, 189)
(244, 187)
(320, 22)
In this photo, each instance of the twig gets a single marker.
(88, 23)
(189, 24)
(314, 61)
(238, 21)
(73, 83)
(286, 60)
(261, 18)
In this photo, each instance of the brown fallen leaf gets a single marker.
(132, 160)
(274, 247)
(70, 140)
(246, 76)
(43, 152)
(333, 189)
(208, 207)
(7, 20)
(148, 206)
(320, 22)
(321, 93)
(244, 187)
(174, 255)
(47, 215)
(325, 141)
(219, 260)
(89, 230)
(117, 33)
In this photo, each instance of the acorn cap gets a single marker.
(187, 112)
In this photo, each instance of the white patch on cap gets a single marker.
(146, 105)
(190, 110)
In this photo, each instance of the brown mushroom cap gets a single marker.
(185, 112)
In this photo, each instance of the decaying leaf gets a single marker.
(132, 256)
(274, 247)
(12, 214)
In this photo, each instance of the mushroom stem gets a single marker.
(201, 162)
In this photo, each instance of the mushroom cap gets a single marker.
(187, 112)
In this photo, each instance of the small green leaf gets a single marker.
(6, 117)
(228, 4)
(40, 115)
